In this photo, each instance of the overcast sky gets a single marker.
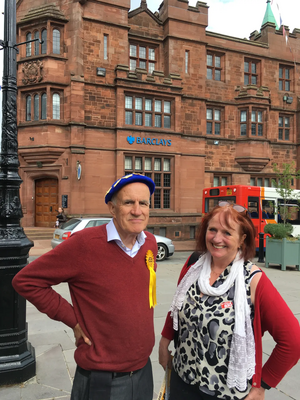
(240, 17)
(231, 17)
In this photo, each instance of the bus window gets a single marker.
(292, 211)
(268, 207)
(214, 201)
(253, 207)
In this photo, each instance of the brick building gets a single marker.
(110, 92)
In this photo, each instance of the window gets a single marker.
(159, 170)
(28, 45)
(105, 43)
(251, 72)
(268, 207)
(222, 180)
(214, 68)
(28, 108)
(257, 123)
(44, 39)
(56, 41)
(142, 56)
(213, 121)
(186, 62)
(143, 111)
(39, 103)
(44, 106)
(162, 231)
(56, 106)
(243, 123)
(192, 232)
(284, 128)
(285, 78)
(36, 43)
(36, 107)
(261, 181)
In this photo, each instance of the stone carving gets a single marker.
(33, 72)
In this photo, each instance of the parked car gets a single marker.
(165, 245)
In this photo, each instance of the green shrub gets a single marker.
(279, 231)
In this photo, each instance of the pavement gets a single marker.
(54, 342)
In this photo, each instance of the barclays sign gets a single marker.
(149, 141)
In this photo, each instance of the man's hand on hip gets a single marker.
(78, 333)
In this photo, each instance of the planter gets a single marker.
(283, 252)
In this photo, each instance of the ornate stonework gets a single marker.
(33, 72)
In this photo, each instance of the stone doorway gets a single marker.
(46, 202)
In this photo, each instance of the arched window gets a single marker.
(56, 106)
(28, 108)
(44, 39)
(56, 41)
(28, 45)
(36, 107)
(44, 106)
(36, 43)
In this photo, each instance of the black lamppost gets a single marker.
(17, 358)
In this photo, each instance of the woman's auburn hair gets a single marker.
(248, 248)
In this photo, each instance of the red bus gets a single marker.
(261, 203)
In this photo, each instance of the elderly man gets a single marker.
(110, 271)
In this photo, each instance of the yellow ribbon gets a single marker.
(152, 282)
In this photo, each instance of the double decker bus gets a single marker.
(262, 203)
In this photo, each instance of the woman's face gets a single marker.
(221, 240)
(59, 209)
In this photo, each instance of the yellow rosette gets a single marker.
(152, 283)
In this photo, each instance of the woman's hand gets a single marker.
(256, 394)
(78, 333)
(164, 354)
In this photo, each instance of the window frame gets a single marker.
(284, 130)
(213, 122)
(213, 68)
(283, 80)
(105, 46)
(258, 125)
(28, 46)
(157, 114)
(263, 178)
(58, 105)
(147, 59)
(56, 41)
(166, 175)
(187, 61)
(250, 74)
(221, 179)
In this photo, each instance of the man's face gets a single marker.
(131, 209)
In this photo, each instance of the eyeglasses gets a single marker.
(236, 207)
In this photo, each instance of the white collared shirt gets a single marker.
(112, 234)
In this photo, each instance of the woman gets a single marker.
(220, 311)
(61, 217)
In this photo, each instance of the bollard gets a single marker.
(261, 248)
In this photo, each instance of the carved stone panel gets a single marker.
(33, 72)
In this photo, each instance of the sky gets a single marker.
(239, 18)
(236, 18)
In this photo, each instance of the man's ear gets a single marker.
(111, 208)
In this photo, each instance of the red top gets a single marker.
(110, 296)
(273, 315)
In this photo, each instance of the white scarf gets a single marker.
(241, 366)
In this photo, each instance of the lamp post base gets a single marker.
(18, 368)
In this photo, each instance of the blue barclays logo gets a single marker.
(151, 142)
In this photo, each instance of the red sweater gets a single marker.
(271, 314)
(110, 296)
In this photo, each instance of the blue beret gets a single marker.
(125, 180)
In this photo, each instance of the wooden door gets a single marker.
(46, 202)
